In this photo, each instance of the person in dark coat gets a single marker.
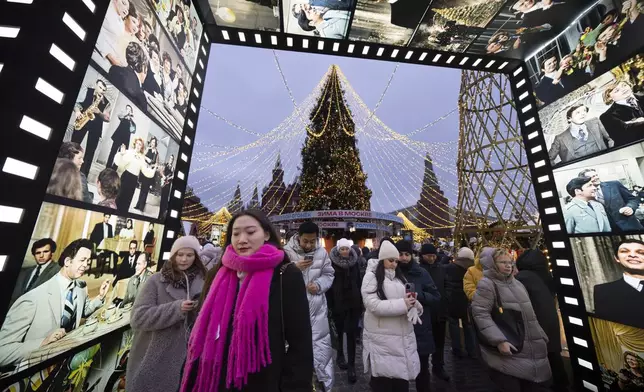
(534, 275)
(121, 135)
(428, 296)
(129, 79)
(270, 321)
(346, 303)
(457, 304)
(429, 261)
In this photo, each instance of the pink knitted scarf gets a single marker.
(249, 349)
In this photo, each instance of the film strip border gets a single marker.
(357, 49)
(45, 48)
(180, 181)
(571, 302)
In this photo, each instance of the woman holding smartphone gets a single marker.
(422, 286)
(389, 344)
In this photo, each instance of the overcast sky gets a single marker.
(244, 86)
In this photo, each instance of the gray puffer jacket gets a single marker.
(532, 362)
(321, 273)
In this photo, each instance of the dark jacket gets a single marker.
(532, 265)
(362, 261)
(617, 301)
(428, 296)
(126, 80)
(291, 371)
(345, 291)
(98, 235)
(615, 121)
(125, 270)
(617, 196)
(437, 272)
(457, 301)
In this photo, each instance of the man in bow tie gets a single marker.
(584, 136)
(128, 262)
(45, 314)
(624, 119)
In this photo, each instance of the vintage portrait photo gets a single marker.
(247, 14)
(319, 18)
(598, 41)
(523, 25)
(113, 155)
(137, 56)
(453, 24)
(603, 194)
(611, 275)
(620, 353)
(387, 22)
(78, 281)
(179, 19)
(604, 114)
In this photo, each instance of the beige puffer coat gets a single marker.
(532, 362)
(389, 343)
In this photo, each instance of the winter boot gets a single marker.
(342, 363)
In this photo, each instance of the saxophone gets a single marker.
(88, 114)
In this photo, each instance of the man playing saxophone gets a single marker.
(89, 117)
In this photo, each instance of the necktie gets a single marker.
(591, 206)
(34, 279)
(632, 102)
(582, 135)
(131, 261)
(68, 321)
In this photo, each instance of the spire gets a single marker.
(429, 179)
(236, 204)
(278, 163)
(254, 200)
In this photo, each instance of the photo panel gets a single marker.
(611, 275)
(99, 262)
(317, 18)
(453, 24)
(180, 20)
(603, 194)
(620, 353)
(609, 111)
(523, 25)
(598, 41)
(118, 159)
(387, 22)
(247, 14)
(147, 68)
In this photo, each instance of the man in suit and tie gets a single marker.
(101, 231)
(46, 313)
(619, 203)
(618, 301)
(583, 137)
(128, 262)
(624, 119)
(32, 277)
(583, 214)
(130, 79)
(142, 273)
(121, 135)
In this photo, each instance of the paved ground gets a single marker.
(467, 375)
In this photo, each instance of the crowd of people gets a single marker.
(259, 316)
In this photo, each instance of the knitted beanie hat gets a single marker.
(188, 241)
(388, 251)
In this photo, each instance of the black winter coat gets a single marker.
(456, 299)
(437, 272)
(531, 264)
(291, 371)
(429, 297)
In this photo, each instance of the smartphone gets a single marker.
(308, 258)
(410, 288)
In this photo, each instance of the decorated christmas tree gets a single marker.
(477, 15)
(332, 177)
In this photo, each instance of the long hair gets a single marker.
(273, 239)
(177, 275)
(380, 279)
(66, 180)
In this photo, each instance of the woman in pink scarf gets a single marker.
(253, 331)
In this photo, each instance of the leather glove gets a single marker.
(412, 316)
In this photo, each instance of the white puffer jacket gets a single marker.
(389, 343)
(321, 272)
